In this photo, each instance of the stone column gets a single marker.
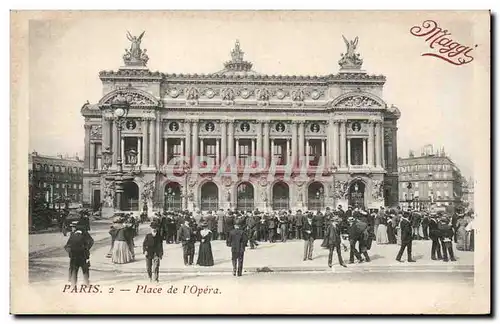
(342, 143)
(370, 143)
(365, 160)
(308, 150)
(158, 139)
(382, 146)
(237, 152)
(287, 151)
(301, 140)
(395, 148)
(106, 131)
(152, 138)
(139, 150)
(165, 151)
(114, 144)
(266, 139)
(122, 153)
(323, 155)
(230, 139)
(272, 149)
(217, 154)
(349, 152)
(335, 143)
(259, 139)
(377, 145)
(187, 139)
(92, 157)
(202, 147)
(329, 135)
(223, 141)
(195, 138)
(87, 147)
(294, 143)
(182, 146)
(145, 142)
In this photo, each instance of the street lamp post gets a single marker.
(410, 195)
(120, 111)
(334, 172)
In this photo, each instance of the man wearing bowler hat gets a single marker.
(406, 237)
(237, 240)
(152, 248)
(78, 247)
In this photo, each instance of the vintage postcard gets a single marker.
(250, 162)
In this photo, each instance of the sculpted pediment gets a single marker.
(358, 100)
(134, 97)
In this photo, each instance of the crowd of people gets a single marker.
(354, 229)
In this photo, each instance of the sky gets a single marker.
(436, 99)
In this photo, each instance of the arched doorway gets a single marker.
(130, 199)
(209, 196)
(172, 198)
(315, 196)
(245, 196)
(357, 194)
(281, 196)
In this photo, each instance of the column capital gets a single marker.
(193, 120)
(87, 126)
(262, 121)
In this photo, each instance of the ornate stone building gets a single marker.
(265, 141)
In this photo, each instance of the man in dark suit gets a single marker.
(333, 240)
(446, 237)
(425, 225)
(299, 219)
(358, 233)
(251, 228)
(434, 234)
(309, 236)
(186, 236)
(406, 237)
(78, 247)
(152, 247)
(237, 240)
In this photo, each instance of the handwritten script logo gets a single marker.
(444, 47)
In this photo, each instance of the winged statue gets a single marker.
(351, 46)
(135, 47)
(350, 59)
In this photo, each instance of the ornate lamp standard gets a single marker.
(410, 200)
(334, 170)
(120, 111)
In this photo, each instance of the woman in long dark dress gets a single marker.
(205, 256)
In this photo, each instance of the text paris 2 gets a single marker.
(442, 45)
(186, 289)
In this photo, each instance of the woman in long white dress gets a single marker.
(382, 237)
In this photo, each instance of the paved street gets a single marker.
(46, 243)
(51, 263)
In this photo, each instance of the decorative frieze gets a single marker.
(96, 131)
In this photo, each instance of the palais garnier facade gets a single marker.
(240, 139)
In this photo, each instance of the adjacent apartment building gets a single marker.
(430, 178)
